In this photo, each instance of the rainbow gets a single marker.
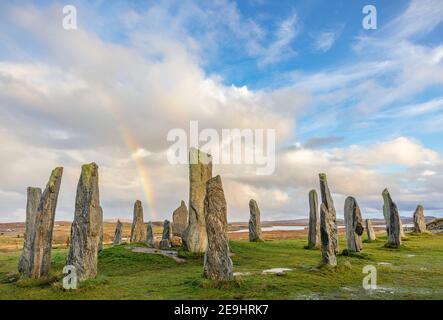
(133, 147)
(148, 191)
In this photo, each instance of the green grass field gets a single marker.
(413, 272)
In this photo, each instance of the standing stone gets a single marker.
(419, 220)
(354, 225)
(370, 230)
(217, 263)
(329, 203)
(150, 235)
(254, 222)
(33, 201)
(327, 222)
(180, 218)
(200, 171)
(314, 221)
(118, 233)
(387, 216)
(41, 233)
(167, 235)
(138, 228)
(393, 222)
(87, 225)
(100, 243)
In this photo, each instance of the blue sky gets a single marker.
(365, 106)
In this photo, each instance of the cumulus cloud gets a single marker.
(94, 100)
(67, 98)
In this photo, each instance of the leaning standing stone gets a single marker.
(118, 233)
(419, 220)
(138, 228)
(200, 171)
(33, 201)
(329, 203)
(393, 222)
(167, 234)
(354, 225)
(217, 263)
(41, 238)
(254, 222)
(314, 221)
(150, 235)
(87, 225)
(180, 218)
(387, 215)
(326, 231)
(370, 230)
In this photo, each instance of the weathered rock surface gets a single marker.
(393, 223)
(419, 220)
(314, 221)
(87, 225)
(435, 225)
(118, 233)
(176, 241)
(329, 203)
(33, 201)
(41, 234)
(200, 171)
(217, 263)
(180, 219)
(326, 234)
(138, 227)
(167, 235)
(387, 216)
(150, 235)
(354, 225)
(370, 230)
(254, 222)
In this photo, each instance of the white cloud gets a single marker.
(324, 41)
(280, 47)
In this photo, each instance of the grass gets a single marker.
(415, 271)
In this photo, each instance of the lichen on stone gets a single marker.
(87, 170)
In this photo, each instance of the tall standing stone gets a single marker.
(200, 171)
(254, 222)
(419, 220)
(150, 235)
(118, 233)
(329, 203)
(167, 235)
(393, 222)
(387, 215)
(354, 225)
(33, 201)
(314, 221)
(327, 222)
(87, 225)
(217, 263)
(41, 233)
(180, 218)
(370, 230)
(138, 228)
